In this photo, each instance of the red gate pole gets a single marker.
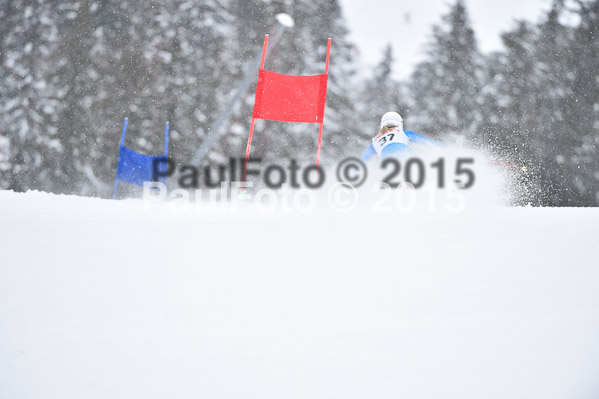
(326, 72)
(249, 145)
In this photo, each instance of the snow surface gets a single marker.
(110, 299)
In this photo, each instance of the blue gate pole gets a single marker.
(166, 129)
(116, 180)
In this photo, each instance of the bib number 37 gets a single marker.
(383, 140)
(394, 136)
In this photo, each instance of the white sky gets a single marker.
(374, 23)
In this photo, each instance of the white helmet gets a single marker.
(391, 119)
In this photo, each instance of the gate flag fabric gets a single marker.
(134, 167)
(289, 98)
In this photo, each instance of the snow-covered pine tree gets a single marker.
(206, 65)
(27, 37)
(446, 86)
(510, 96)
(76, 70)
(579, 104)
(540, 104)
(567, 118)
(508, 109)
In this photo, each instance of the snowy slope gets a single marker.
(106, 299)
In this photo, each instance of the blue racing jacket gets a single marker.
(394, 149)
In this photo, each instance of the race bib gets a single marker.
(394, 136)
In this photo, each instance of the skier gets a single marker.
(392, 140)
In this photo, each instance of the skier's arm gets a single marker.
(368, 154)
(419, 139)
